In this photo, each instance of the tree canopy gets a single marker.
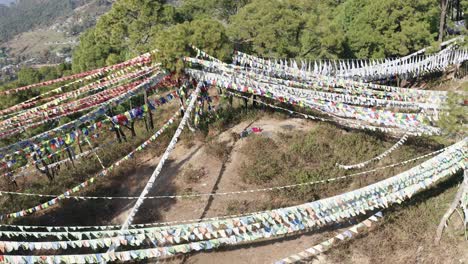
(308, 29)
(387, 28)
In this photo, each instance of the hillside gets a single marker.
(46, 30)
(235, 132)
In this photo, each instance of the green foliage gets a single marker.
(207, 34)
(90, 54)
(387, 28)
(125, 31)
(290, 28)
(453, 121)
(219, 9)
(464, 7)
(322, 37)
(271, 28)
(28, 76)
(301, 157)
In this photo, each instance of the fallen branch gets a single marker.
(453, 206)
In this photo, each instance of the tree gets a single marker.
(322, 37)
(453, 121)
(291, 28)
(443, 15)
(269, 28)
(207, 34)
(387, 28)
(464, 7)
(127, 30)
(28, 75)
(218, 9)
(91, 54)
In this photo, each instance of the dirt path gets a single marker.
(219, 176)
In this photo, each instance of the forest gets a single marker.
(278, 29)
(300, 29)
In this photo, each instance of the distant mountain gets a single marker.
(45, 31)
(27, 15)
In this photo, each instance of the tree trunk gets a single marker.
(123, 136)
(117, 134)
(46, 167)
(443, 14)
(70, 154)
(131, 127)
(79, 145)
(146, 123)
(150, 114)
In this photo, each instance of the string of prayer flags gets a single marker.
(283, 71)
(287, 216)
(68, 108)
(48, 107)
(187, 113)
(57, 93)
(139, 59)
(325, 83)
(327, 244)
(92, 179)
(341, 121)
(411, 67)
(412, 122)
(57, 142)
(379, 157)
(93, 115)
(274, 188)
(341, 207)
(122, 119)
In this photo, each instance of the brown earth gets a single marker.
(220, 173)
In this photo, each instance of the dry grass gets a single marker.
(406, 235)
(408, 229)
(36, 42)
(192, 175)
(87, 167)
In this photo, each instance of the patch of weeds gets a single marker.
(263, 160)
(219, 150)
(237, 207)
(192, 175)
(188, 138)
(304, 157)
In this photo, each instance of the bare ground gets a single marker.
(221, 174)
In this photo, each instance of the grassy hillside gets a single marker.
(27, 14)
(46, 30)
